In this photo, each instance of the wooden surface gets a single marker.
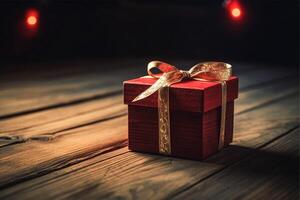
(63, 135)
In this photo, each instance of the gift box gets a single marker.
(194, 116)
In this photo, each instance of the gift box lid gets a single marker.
(189, 95)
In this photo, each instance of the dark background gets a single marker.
(266, 33)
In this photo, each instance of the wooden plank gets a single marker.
(270, 173)
(25, 95)
(49, 116)
(33, 95)
(149, 176)
(40, 151)
(37, 157)
(41, 120)
(16, 75)
(264, 94)
(45, 124)
(13, 125)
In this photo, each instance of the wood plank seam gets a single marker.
(70, 103)
(77, 101)
(234, 163)
(286, 166)
(64, 164)
(110, 103)
(291, 94)
(48, 137)
(268, 82)
(55, 169)
(21, 129)
(20, 139)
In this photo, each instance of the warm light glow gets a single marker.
(236, 12)
(31, 20)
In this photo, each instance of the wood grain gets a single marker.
(134, 175)
(75, 161)
(25, 96)
(33, 121)
(45, 124)
(270, 173)
(48, 124)
(37, 90)
(19, 162)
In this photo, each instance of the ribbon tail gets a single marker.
(161, 82)
(223, 115)
(164, 121)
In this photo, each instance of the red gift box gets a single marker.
(195, 117)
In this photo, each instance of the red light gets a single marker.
(236, 12)
(234, 9)
(29, 26)
(31, 20)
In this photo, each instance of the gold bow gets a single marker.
(207, 71)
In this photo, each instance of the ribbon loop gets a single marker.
(161, 66)
(211, 71)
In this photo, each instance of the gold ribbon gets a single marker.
(207, 71)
